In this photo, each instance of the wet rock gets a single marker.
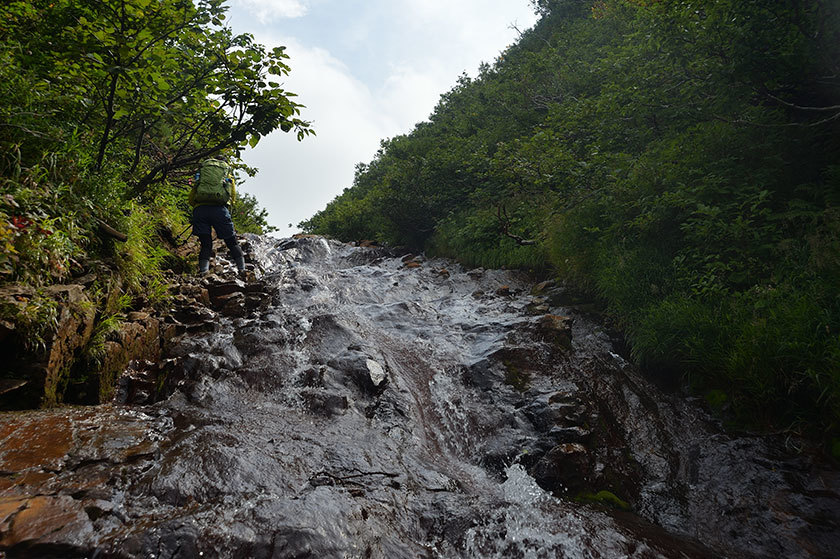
(574, 434)
(376, 373)
(504, 291)
(362, 371)
(217, 287)
(232, 304)
(325, 403)
(565, 470)
(480, 375)
(43, 521)
(556, 330)
(195, 293)
(538, 306)
(138, 383)
(193, 314)
(275, 436)
(138, 339)
(256, 301)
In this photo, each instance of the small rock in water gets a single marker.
(377, 373)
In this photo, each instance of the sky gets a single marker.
(366, 70)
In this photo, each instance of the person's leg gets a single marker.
(202, 230)
(225, 231)
(236, 252)
(205, 253)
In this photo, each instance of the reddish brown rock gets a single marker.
(45, 520)
(34, 441)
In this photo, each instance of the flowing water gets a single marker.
(378, 410)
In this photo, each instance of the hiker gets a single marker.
(212, 190)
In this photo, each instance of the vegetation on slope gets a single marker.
(106, 107)
(681, 160)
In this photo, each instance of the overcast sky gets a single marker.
(366, 70)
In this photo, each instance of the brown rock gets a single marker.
(75, 325)
(232, 304)
(9, 507)
(556, 329)
(412, 264)
(46, 520)
(542, 286)
(504, 291)
(138, 316)
(42, 442)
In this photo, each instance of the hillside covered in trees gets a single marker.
(106, 108)
(680, 160)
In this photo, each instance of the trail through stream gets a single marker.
(381, 409)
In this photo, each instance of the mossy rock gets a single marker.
(519, 379)
(606, 498)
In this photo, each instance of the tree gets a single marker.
(163, 77)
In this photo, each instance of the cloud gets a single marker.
(365, 71)
(297, 179)
(409, 95)
(270, 10)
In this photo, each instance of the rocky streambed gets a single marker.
(352, 403)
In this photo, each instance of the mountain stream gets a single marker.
(386, 407)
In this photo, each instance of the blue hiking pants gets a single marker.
(207, 218)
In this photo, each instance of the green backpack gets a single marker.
(212, 185)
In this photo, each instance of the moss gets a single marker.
(716, 399)
(606, 498)
(516, 377)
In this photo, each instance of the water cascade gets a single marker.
(375, 406)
